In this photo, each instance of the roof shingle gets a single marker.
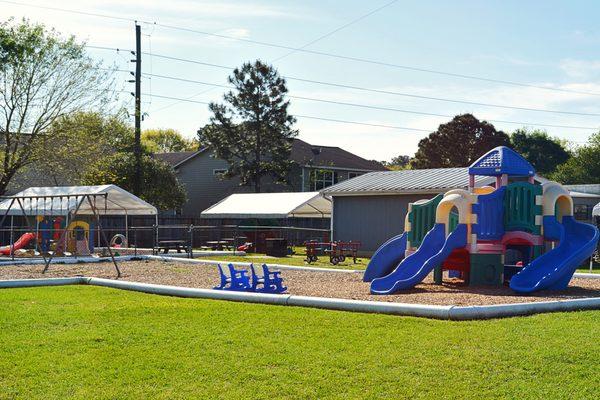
(304, 154)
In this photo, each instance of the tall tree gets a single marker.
(43, 76)
(166, 141)
(71, 145)
(252, 130)
(583, 167)
(160, 186)
(542, 151)
(458, 143)
(397, 163)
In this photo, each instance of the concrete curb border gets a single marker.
(455, 313)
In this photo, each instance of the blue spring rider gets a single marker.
(239, 280)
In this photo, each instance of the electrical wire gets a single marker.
(313, 52)
(359, 105)
(387, 92)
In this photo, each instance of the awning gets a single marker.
(109, 200)
(271, 205)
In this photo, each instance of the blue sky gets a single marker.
(544, 43)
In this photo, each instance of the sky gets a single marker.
(547, 44)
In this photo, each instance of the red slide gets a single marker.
(19, 244)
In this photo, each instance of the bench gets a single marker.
(237, 279)
(166, 245)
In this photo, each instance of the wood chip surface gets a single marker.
(305, 283)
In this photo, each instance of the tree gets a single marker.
(166, 141)
(88, 148)
(73, 142)
(43, 76)
(542, 151)
(583, 167)
(458, 143)
(397, 163)
(252, 131)
(160, 186)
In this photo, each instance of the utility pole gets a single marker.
(137, 179)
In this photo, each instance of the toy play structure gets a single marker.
(21, 243)
(485, 235)
(239, 280)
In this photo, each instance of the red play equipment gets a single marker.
(23, 241)
(338, 251)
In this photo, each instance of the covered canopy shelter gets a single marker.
(271, 205)
(71, 201)
(62, 200)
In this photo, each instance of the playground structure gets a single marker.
(66, 218)
(239, 280)
(488, 235)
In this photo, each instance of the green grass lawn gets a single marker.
(89, 342)
(297, 259)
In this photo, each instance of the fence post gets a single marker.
(191, 245)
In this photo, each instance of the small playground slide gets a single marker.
(554, 269)
(23, 241)
(386, 258)
(434, 249)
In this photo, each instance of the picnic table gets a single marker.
(166, 245)
(218, 244)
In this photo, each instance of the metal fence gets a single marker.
(156, 238)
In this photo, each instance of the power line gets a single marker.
(354, 21)
(388, 92)
(374, 107)
(314, 52)
(380, 63)
(328, 34)
(305, 116)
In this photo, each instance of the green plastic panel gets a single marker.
(486, 269)
(520, 209)
(452, 221)
(422, 219)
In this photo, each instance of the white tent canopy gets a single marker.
(596, 210)
(271, 205)
(109, 200)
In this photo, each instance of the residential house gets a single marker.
(315, 168)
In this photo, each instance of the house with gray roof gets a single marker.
(371, 208)
(315, 168)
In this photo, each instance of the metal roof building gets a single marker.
(418, 181)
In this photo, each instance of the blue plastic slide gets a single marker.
(434, 249)
(554, 269)
(386, 258)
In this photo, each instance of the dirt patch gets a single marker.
(305, 283)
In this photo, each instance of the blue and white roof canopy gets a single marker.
(501, 161)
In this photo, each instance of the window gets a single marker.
(582, 212)
(353, 174)
(322, 178)
(219, 172)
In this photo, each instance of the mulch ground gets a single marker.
(305, 283)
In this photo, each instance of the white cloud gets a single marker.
(580, 69)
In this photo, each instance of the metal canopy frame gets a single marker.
(79, 199)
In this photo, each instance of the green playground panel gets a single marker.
(452, 221)
(520, 209)
(422, 219)
(486, 269)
